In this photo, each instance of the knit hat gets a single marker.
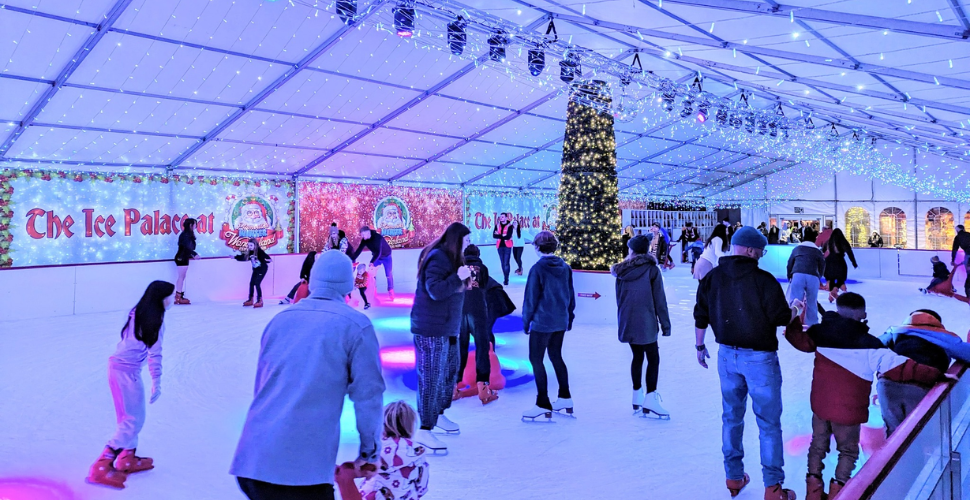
(640, 243)
(332, 275)
(749, 237)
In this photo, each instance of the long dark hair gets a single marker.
(150, 311)
(188, 226)
(308, 265)
(450, 243)
(720, 231)
(837, 243)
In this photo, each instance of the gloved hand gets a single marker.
(156, 390)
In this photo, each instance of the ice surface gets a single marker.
(56, 411)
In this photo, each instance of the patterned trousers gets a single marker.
(436, 361)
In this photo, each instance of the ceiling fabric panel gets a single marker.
(361, 166)
(56, 144)
(35, 46)
(249, 157)
(287, 130)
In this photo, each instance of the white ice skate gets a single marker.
(427, 439)
(653, 409)
(563, 404)
(533, 415)
(447, 426)
(637, 399)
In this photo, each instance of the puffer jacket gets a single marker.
(641, 304)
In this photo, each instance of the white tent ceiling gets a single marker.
(285, 87)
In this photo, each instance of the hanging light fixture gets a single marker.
(721, 116)
(570, 68)
(347, 11)
(636, 68)
(537, 61)
(404, 18)
(457, 36)
(496, 46)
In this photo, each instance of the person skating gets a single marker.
(660, 246)
(823, 237)
(847, 358)
(361, 277)
(141, 342)
(773, 235)
(688, 235)
(337, 240)
(744, 306)
(475, 324)
(641, 314)
(259, 261)
(940, 274)
(717, 246)
(806, 265)
(518, 245)
(436, 324)
(625, 238)
(503, 242)
(547, 314)
(308, 261)
(381, 255)
(312, 356)
(836, 271)
(185, 253)
(962, 242)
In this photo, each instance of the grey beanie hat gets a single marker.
(331, 273)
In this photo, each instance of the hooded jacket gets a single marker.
(743, 304)
(475, 305)
(806, 258)
(186, 248)
(924, 339)
(439, 297)
(641, 304)
(549, 302)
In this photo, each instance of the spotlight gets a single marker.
(569, 68)
(762, 127)
(736, 121)
(702, 113)
(721, 116)
(347, 11)
(688, 108)
(496, 47)
(773, 129)
(404, 18)
(457, 36)
(537, 61)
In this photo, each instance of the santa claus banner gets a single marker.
(533, 213)
(407, 217)
(52, 218)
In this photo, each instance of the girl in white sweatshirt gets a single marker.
(141, 340)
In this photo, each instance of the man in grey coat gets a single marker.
(312, 355)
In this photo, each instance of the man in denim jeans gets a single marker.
(744, 306)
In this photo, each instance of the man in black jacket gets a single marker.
(380, 255)
(962, 242)
(744, 306)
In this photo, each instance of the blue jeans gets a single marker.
(806, 285)
(388, 270)
(743, 372)
(505, 257)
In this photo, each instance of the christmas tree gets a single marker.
(589, 203)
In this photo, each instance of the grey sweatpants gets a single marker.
(897, 400)
(128, 393)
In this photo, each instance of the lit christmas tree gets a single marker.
(589, 203)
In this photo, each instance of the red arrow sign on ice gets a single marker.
(593, 295)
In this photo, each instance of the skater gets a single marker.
(836, 272)
(660, 246)
(744, 306)
(141, 341)
(312, 356)
(260, 263)
(361, 277)
(641, 314)
(962, 242)
(304, 277)
(337, 240)
(824, 236)
(847, 358)
(402, 473)
(875, 241)
(773, 235)
(475, 324)
(503, 242)
(436, 324)
(185, 253)
(688, 235)
(940, 274)
(380, 255)
(518, 245)
(547, 314)
(625, 238)
(806, 265)
(718, 245)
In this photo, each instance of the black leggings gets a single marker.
(652, 353)
(517, 255)
(259, 490)
(836, 283)
(256, 280)
(539, 343)
(471, 330)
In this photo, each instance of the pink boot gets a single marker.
(128, 463)
(103, 472)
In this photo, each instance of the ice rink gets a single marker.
(56, 411)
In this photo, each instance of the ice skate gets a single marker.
(447, 426)
(427, 439)
(104, 473)
(652, 407)
(923, 291)
(533, 415)
(128, 463)
(366, 306)
(814, 488)
(563, 404)
(390, 295)
(637, 399)
(736, 485)
(259, 303)
(180, 298)
(777, 492)
(248, 303)
(834, 488)
(486, 394)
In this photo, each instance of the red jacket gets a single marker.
(503, 235)
(842, 378)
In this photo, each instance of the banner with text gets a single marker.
(407, 217)
(534, 212)
(54, 218)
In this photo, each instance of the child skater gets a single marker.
(304, 277)
(547, 314)
(141, 340)
(403, 473)
(260, 262)
(940, 274)
(360, 283)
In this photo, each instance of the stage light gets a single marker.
(404, 18)
(347, 11)
(749, 124)
(722, 117)
(702, 113)
(688, 108)
(537, 61)
(496, 47)
(569, 68)
(457, 36)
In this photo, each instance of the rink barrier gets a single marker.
(922, 459)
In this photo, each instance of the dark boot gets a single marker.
(814, 487)
(736, 485)
(776, 492)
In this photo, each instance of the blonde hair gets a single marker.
(399, 420)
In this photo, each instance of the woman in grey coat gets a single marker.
(641, 307)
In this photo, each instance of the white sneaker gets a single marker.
(563, 404)
(447, 426)
(535, 412)
(651, 404)
(427, 439)
(637, 399)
